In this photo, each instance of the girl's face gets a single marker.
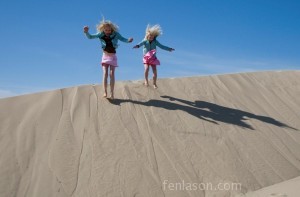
(107, 30)
(150, 37)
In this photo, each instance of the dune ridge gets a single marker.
(237, 128)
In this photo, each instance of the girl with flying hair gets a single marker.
(149, 50)
(109, 36)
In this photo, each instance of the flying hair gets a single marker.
(154, 30)
(106, 23)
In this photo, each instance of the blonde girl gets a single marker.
(108, 35)
(149, 50)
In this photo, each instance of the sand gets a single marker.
(221, 135)
(284, 189)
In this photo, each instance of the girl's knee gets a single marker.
(154, 72)
(112, 72)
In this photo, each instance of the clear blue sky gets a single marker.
(42, 45)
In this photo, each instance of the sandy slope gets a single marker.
(173, 141)
(289, 188)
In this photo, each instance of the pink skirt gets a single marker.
(109, 59)
(150, 58)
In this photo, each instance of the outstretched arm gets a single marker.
(163, 46)
(120, 37)
(139, 44)
(88, 35)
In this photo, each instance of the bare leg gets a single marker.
(146, 74)
(112, 81)
(154, 70)
(105, 75)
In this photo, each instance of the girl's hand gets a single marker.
(136, 46)
(171, 49)
(85, 29)
(130, 39)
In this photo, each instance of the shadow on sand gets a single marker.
(206, 111)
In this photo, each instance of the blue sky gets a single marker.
(43, 46)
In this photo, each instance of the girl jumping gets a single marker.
(149, 49)
(109, 36)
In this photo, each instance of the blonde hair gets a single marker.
(106, 23)
(154, 30)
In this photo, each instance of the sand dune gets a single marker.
(222, 135)
(283, 189)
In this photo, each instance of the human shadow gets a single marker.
(207, 111)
